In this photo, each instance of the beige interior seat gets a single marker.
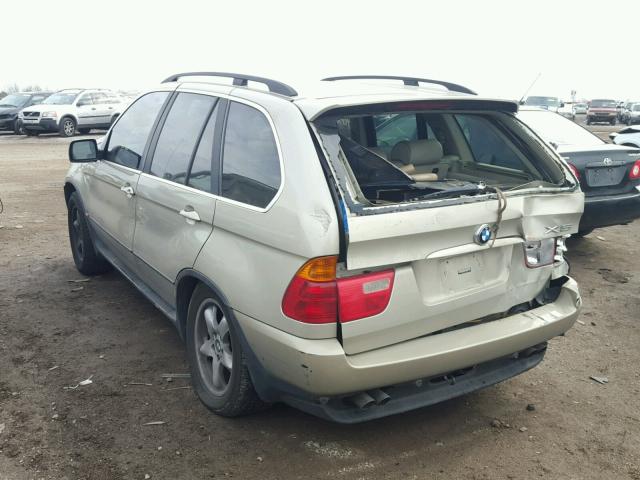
(420, 157)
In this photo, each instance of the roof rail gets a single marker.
(240, 80)
(413, 81)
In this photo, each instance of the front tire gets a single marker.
(88, 261)
(17, 128)
(67, 127)
(219, 371)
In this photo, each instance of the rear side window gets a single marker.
(129, 136)
(180, 134)
(486, 143)
(251, 165)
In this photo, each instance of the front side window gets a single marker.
(180, 134)
(486, 143)
(129, 136)
(251, 165)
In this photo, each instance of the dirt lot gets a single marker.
(55, 333)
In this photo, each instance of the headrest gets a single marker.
(418, 152)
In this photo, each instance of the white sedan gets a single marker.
(629, 136)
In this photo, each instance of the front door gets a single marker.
(113, 182)
(175, 205)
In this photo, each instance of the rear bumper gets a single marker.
(610, 210)
(310, 374)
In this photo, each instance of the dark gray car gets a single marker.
(13, 103)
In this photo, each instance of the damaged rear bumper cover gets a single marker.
(319, 377)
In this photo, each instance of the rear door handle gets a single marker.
(128, 190)
(190, 214)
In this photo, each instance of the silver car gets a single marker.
(356, 250)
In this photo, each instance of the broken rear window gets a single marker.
(409, 156)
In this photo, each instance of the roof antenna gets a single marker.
(530, 87)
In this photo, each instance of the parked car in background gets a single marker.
(548, 103)
(567, 110)
(299, 265)
(12, 104)
(632, 115)
(580, 108)
(602, 110)
(73, 110)
(609, 175)
(622, 113)
(629, 136)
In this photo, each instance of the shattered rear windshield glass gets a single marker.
(406, 156)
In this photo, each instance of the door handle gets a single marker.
(128, 190)
(190, 214)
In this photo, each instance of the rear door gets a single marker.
(175, 194)
(113, 181)
(101, 116)
(86, 110)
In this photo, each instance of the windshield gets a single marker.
(557, 130)
(14, 100)
(543, 101)
(61, 98)
(603, 103)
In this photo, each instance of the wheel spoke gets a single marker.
(210, 320)
(223, 328)
(217, 374)
(226, 358)
(205, 349)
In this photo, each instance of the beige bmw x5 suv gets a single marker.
(359, 249)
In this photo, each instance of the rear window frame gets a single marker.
(349, 187)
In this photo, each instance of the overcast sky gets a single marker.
(495, 47)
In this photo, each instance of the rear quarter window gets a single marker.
(250, 159)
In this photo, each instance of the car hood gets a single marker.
(49, 108)
(5, 110)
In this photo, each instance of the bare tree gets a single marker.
(13, 88)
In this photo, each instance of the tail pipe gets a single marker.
(367, 399)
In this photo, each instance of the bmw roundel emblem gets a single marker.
(482, 235)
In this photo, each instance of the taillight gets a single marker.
(574, 170)
(634, 174)
(316, 296)
(539, 253)
(364, 295)
(312, 295)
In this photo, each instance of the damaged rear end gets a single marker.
(451, 274)
(457, 204)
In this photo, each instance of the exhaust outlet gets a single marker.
(361, 400)
(379, 396)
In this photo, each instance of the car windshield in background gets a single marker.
(397, 157)
(556, 129)
(62, 98)
(543, 101)
(603, 104)
(14, 100)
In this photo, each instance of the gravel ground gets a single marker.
(56, 332)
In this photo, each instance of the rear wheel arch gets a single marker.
(186, 282)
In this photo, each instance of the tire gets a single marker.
(84, 131)
(588, 121)
(213, 345)
(17, 128)
(67, 127)
(613, 122)
(582, 233)
(88, 261)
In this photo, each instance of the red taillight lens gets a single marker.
(634, 174)
(574, 170)
(311, 302)
(315, 296)
(364, 295)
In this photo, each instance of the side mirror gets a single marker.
(83, 151)
(561, 104)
